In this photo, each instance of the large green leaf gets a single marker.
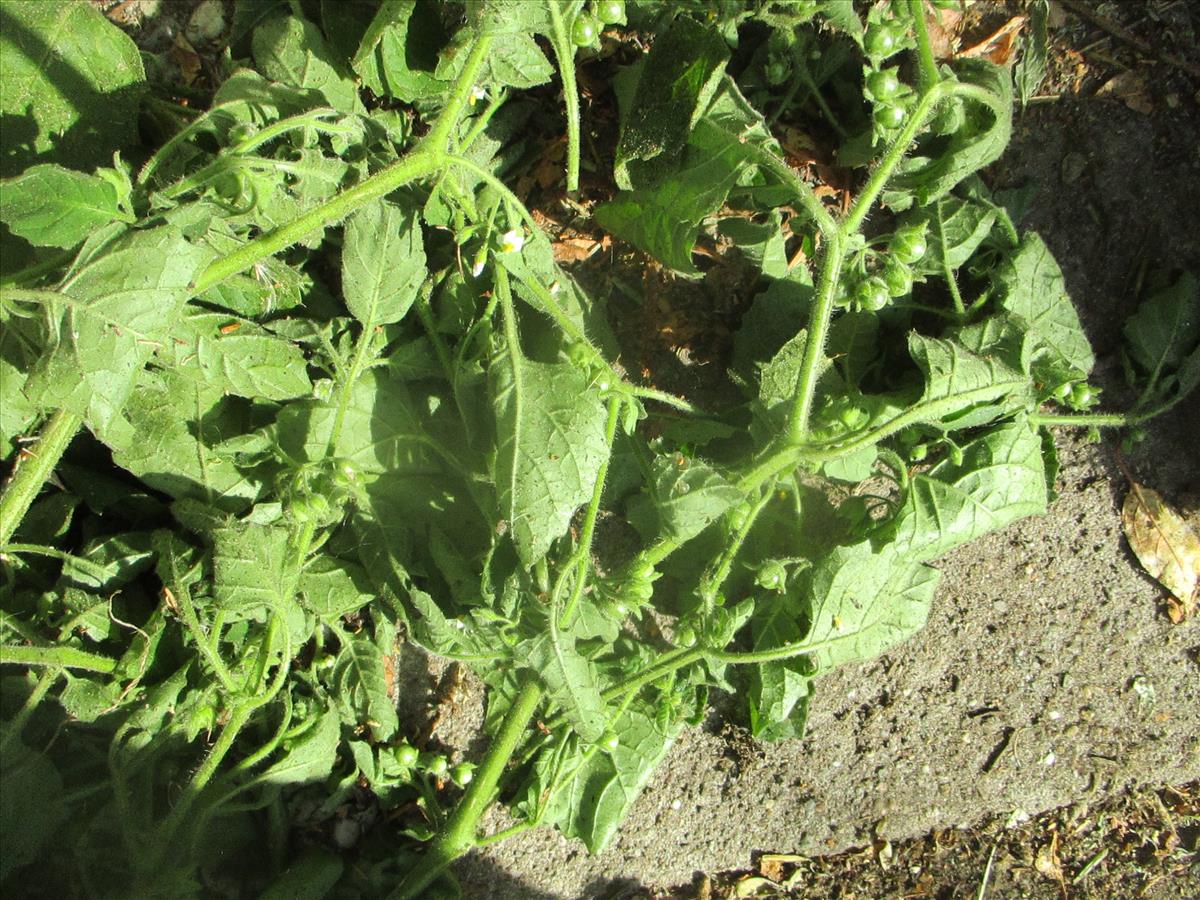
(252, 570)
(965, 389)
(677, 81)
(293, 51)
(937, 164)
(312, 754)
(1163, 339)
(174, 424)
(32, 806)
(1031, 289)
(51, 206)
(234, 356)
(399, 51)
(862, 602)
(606, 784)
(383, 263)
(954, 227)
(570, 680)
(1001, 478)
(360, 677)
(110, 315)
(684, 496)
(778, 691)
(72, 83)
(550, 445)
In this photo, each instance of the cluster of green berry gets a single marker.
(890, 97)
(585, 30)
(893, 277)
(432, 765)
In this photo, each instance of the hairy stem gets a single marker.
(458, 835)
(564, 52)
(34, 465)
(928, 65)
(58, 657)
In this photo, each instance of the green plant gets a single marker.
(314, 432)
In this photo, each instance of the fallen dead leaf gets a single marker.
(1131, 89)
(1166, 547)
(186, 57)
(997, 47)
(943, 28)
(576, 249)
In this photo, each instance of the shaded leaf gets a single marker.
(310, 756)
(72, 84)
(570, 680)
(51, 206)
(383, 263)
(293, 51)
(360, 678)
(550, 444)
(684, 497)
(251, 568)
(1000, 479)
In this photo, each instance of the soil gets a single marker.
(1049, 679)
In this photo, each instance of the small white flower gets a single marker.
(512, 241)
(477, 93)
(477, 269)
(554, 287)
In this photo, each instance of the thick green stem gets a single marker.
(33, 467)
(57, 656)
(438, 138)
(1086, 420)
(458, 835)
(564, 52)
(814, 343)
(928, 65)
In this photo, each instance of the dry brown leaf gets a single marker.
(574, 249)
(1165, 545)
(1131, 89)
(998, 47)
(186, 57)
(943, 28)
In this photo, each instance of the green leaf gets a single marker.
(550, 445)
(841, 15)
(963, 226)
(1001, 478)
(252, 568)
(19, 345)
(861, 602)
(1031, 289)
(32, 806)
(606, 784)
(108, 318)
(684, 497)
(331, 588)
(938, 164)
(1164, 331)
(292, 50)
(383, 263)
(234, 356)
(311, 878)
(677, 81)
(360, 679)
(570, 680)
(778, 691)
(514, 59)
(381, 431)
(173, 424)
(310, 756)
(51, 206)
(964, 388)
(72, 84)
(1030, 70)
(662, 216)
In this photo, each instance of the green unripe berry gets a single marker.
(405, 755)
(437, 766)
(883, 84)
(462, 774)
(610, 12)
(872, 294)
(908, 244)
(918, 452)
(889, 117)
(685, 636)
(609, 741)
(584, 30)
(880, 42)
